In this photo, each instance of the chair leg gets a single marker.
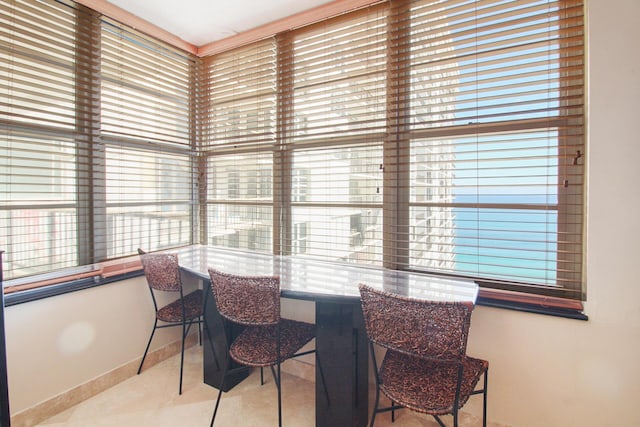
(146, 350)
(261, 375)
(442, 424)
(275, 376)
(372, 353)
(484, 399)
(184, 333)
(224, 377)
(393, 412)
(279, 385)
(215, 410)
(375, 406)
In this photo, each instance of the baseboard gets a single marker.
(44, 410)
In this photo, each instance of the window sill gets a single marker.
(33, 288)
(18, 291)
(538, 304)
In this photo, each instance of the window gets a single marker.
(148, 195)
(41, 147)
(496, 118)
(336, 73)
(342, 210)
(436, 136)
(239, 201)
(38, 196)
(146, 127)
(96, 139)
(431, 135)
(238, 147)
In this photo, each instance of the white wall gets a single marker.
(60, 342)
(549, 371)
(544, 371)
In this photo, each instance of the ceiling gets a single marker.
(202, 21)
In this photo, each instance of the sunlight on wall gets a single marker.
(76, 338)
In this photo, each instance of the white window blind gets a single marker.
(145, 198)
(495, 128)
(239, 142)
(43, 142)
(337, 204)
(38, 219)
(240, 100)
(146, 88)
(148, 200)
(97, 130)
(336, 129)
(240, 201)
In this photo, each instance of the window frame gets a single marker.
(83, 32)
(395, 139)
(397, 202)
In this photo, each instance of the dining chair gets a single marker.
(425, 367)
(267, 339)
(163, 277)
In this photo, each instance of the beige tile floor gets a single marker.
(151, 399)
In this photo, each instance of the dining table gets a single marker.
(341, 340)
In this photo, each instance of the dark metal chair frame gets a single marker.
(163, 275)
(425, 357)
(254, 302)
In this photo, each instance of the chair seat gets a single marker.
(192, 305)
(427, 386)
(256, 345)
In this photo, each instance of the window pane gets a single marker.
(148, 200)
(338, 234)
(37, 64)
(341, 179)
(339, 78)
(241, 96)
(240, 194)
(479, 63)
(246, 177)
(38, 216)
(145, 87)
(487, 206)
(240, 226)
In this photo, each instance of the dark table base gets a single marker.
(341, 342)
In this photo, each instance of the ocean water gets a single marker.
(518, 245)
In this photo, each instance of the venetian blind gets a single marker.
(147, 155)
(239, 142)
(97, 135)
(44, 139)
(491, 108)
(334, 112)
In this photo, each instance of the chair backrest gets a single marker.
(429, 329)
(248, 300)
(162, 271)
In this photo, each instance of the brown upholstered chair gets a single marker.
(425, 367)
(267, 339)
(163, 276)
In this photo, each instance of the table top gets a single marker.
(305, 278)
